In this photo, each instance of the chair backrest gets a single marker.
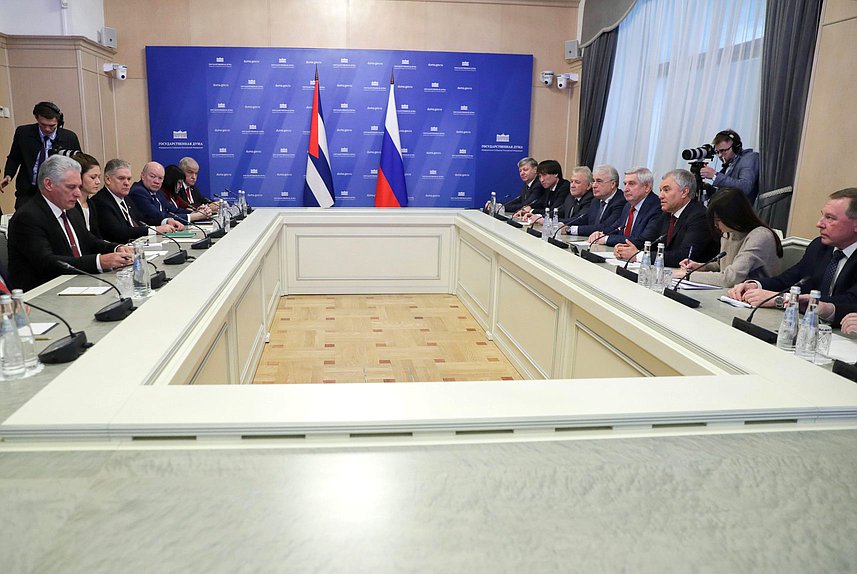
(773, 207)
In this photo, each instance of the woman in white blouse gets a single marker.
(90, 175)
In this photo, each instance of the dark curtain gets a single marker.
(597, 73)
(791, 29)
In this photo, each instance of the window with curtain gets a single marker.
(684, 70)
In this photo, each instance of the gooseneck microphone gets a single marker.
(219, 232)
(158, 278)
(747, 326)
(203, 243)
(589, 256)
(176, 258)
(115, 311)
(65, 349)
(689, 272)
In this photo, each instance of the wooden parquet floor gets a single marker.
(378, 338)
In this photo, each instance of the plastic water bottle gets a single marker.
(242, 203)
(25, 330)
(644, 277)
(807, 335)
(493, 206)
(657, 271)
(789, 325)
(546, 225)
(224, 215)
(140, 273)
(555, 221)
(11, 353)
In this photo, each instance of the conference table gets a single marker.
(599, 353)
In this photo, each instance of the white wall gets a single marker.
(48, 18)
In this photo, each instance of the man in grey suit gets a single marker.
(740, 167)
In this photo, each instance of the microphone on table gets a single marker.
(219, 232)
(681, 297)
(589, 256)
(627, 273)
(688, 273)
(203, 243)
(747, 326)
(65, 349)
(176, 258)
(158, 278)
(115, 311)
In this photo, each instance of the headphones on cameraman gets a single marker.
(52, 107)
(737, 146)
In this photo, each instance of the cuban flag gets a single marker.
(390, 190)
(318, 189)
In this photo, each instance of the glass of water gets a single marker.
(822, 347)
(125, 282)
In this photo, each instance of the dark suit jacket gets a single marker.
(813, 264)
(93, 217)
(691, 230)
(574, 209)
(550, 199)
(37, 242)
(198, 199)
(647, 222)
(528, 195)
(608, 220)
(26, 145)
(111, 221)
(153, 209)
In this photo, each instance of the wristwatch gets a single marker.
(780, 301)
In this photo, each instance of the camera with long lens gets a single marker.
(705, 151)
(697, 156)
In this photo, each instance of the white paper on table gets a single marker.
(155, 254)
(583, 244)
(843, 348)
(621, 263)
(186, 239)
(694, 286)
(84, 291)
(735, 302)
(157, 245)
(41, 328)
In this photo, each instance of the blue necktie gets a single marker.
(830, 273)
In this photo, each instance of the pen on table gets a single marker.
(689, 253)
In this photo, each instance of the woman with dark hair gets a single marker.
(172, 186)
(753, 250)
(90, 176)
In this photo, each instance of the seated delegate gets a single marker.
(753, 250)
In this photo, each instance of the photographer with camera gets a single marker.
(740, 167)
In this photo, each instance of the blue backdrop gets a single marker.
(244, 115)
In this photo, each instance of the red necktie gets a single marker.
(671, 229)
(3, 287)
(630, 223)
(74, 250)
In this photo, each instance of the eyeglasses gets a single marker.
(722, 150)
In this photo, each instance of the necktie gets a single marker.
(43, 153)
(671, 228)
(74, 250)
(603, 209)
(126, 213)
(830, 272)
(630, 223)
(3, 287)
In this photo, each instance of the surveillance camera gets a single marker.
(121, 72)
(561, 81)
(547, 77)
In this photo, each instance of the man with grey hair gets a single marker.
(683, 223)
(607, 205)
(640, 218)
(189, 191)
(532, 188)
(47, 230)
(118, 218)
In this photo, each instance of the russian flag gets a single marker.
(390, 190)
(318, 189)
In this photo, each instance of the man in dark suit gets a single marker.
(47, 230)
(191, 192)
(640, 218)
(32, 144)
(576, 204)
(153, 207)
(118, 219)
(532, 190)
(606, 206)
(555, 187)
(683, 222)
(828, 261)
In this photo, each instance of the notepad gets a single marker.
(84, 291)
(154, 254)
(41, 328)
(735, 302)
